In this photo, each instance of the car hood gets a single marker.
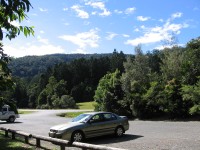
(66, 126)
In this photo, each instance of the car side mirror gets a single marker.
(90, 121)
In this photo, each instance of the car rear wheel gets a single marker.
(77, 136)
(119, 131)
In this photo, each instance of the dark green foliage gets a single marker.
(65, 101)
(191, 63)
(191, 96)
(109, 94)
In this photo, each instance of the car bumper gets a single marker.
(65, 136)
(55, 135)
(126, 127)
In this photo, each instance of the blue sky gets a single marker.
(100, 26)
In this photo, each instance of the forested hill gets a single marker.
(30, 66)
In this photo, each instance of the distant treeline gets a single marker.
(145, 85)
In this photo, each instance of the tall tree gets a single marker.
(109, 94)
(10, 11)
(136, 80)
(191, 63)
(172, 62)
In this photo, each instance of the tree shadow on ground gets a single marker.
(112, 139)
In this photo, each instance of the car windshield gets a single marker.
(81, 118)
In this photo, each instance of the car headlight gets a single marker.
(54, 131)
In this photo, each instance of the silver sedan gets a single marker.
(89, 125)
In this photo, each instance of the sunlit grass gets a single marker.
(86, 105)
(25, 111)
(71, 114)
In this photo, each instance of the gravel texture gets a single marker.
(142, 135)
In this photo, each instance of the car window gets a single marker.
(109, 117)
(4, 109)
(81, 117)
(96, 118)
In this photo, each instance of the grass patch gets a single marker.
(86, 105)
(81, 106)
(70, 114)
(25, 112)
(9, 144)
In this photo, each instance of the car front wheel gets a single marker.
(119, 131)
(11, 119)
(77, 136)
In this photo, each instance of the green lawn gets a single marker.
(81, 106)
(70, 114)
(86, 105)
(9, 144)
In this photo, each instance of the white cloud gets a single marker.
(158, 33)
(32, 49)
(43, 9)
(141, 18)
(79, 51)
(177, 15)
(101, 6)
(126, 35)
(118, 11)
(42, 40)
(161, 47)
(84, 39)
(136, 30)
(111, 35)
(161, 20)
(80, 13)
(130, 10)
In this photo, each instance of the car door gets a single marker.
(95, 126)
(110, 123)
(4, 113)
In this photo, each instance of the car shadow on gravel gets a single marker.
(10, 122)
(112, 139)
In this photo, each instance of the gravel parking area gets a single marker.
(142, 135)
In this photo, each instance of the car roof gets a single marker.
(93, 113)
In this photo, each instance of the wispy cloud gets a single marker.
(130, 10)
(65, 9)
(142, 18)
(158, 33)
(80, 13)
(177, 15)
(84, 39)
(111, 35)
(126, 35)
(43, 9)
(118, 11)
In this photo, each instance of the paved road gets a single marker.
(142, 135)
